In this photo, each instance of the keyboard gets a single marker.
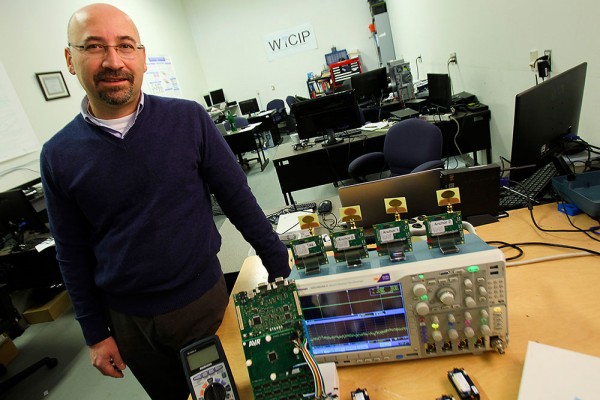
(348, 133)
(303, 207)
(529, 189)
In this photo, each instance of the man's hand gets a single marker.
(106, 358)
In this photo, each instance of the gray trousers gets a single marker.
(150, 345)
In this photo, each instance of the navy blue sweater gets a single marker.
(132, 218)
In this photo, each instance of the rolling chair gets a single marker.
(412, 145)
(240, 122)
(280, 114)
(291, 121)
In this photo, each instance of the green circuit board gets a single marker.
(445, 227)
(270, 318)
(389, 234)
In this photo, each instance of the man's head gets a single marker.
(106, 54)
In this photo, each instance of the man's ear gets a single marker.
(69, 59)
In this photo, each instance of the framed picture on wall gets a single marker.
(53, 85)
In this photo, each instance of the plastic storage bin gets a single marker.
(583, 191)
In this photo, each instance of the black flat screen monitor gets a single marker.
(370, 86)
(544, 114)
(326, 115)
(207, 100)
(217, 96)
(248, 107)
(18, 216)
(440, 90)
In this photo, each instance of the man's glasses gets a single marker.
(124, 50)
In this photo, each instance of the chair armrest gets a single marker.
(429, 165)
(366, 164)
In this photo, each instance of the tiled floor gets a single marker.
(74, 377)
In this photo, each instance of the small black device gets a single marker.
(463, 384)
(207, 370)
(360, 394)
(324, 207)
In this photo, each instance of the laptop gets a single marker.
(418, 188)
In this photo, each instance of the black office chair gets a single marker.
(11, 321)
(291, 121)
(280, 114)
(412, 145)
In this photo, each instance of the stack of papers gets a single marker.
(553, 373)
(374, 126)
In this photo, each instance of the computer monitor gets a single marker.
(440, 90)
(326, 115)
(370, 86)
(17, 216)
(207, 100)
(248, 107)
(544, 114)
(217, 96)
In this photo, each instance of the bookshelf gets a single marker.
(319, 86)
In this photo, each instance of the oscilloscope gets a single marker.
(429, 305)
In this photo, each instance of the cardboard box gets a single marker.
(8, 350)
(49, 311)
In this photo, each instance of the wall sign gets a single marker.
(290, 41)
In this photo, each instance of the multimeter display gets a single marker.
(209, 376)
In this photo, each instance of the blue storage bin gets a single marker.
(583, 191)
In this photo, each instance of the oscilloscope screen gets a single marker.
(355, 320)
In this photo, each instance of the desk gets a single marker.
(266, 118)
(551, 302)
(318, 165)
(244, 140)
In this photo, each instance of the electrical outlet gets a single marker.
(453, 58)
(549, 54)
(533, 55)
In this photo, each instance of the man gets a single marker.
(127, 186)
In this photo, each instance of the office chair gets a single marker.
(291, 121)
(10, 321)
(412, 145)
(240, 122)
(280, 114)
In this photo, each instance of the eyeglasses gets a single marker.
(124, 50)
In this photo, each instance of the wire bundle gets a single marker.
(319, 384)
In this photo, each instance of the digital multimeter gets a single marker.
(207, 370)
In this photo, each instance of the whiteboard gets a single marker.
(17, 137)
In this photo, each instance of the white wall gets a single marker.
(33, 39)
(492, 41)
(229, 38)
(219, 44)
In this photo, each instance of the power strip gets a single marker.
(436, 117)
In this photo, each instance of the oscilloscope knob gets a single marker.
(470, 302)
(437, 336)
(422, 308)
(452, 334)
(469, 332)
(446, 296)
(485, 330)
(419, 290)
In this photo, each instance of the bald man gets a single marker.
(127, 185)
